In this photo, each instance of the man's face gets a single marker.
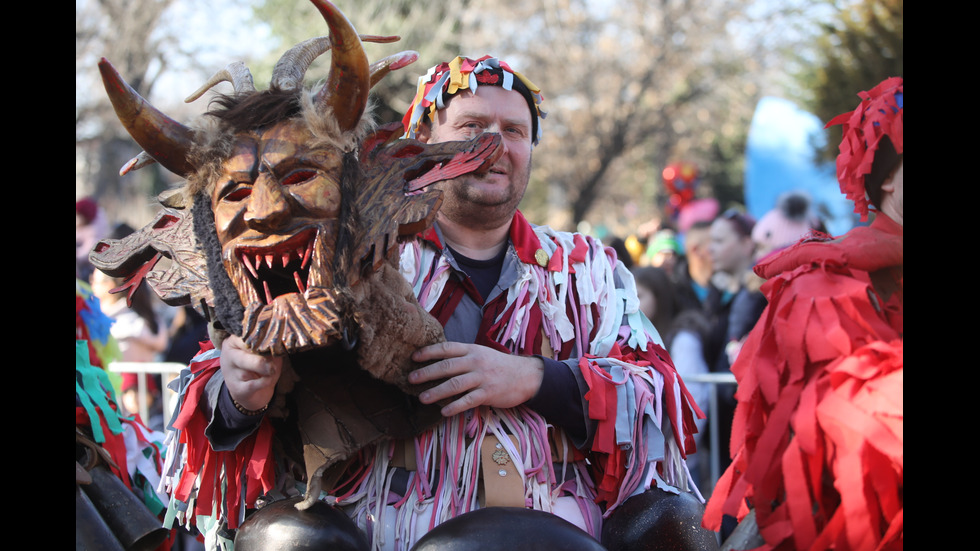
(730, 252)
(275, 206)
(893, 196)
(491, 198)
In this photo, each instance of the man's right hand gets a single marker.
(251, 378)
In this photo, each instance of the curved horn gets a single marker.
(236, 73)
(380, 39)
(141, 160)
(161, 137)
(291, 68)
(349, 82)
(380, 69)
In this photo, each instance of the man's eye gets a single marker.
(298, 177)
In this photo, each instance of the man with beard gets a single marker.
(555, 392)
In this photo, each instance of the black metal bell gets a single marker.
(658, 521)
(507, 529)
(280, 526)
(136, 528)
(91, 531)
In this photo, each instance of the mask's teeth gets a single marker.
(307, 254)
(248, 265)
(299, 283)
(268, 294)
(285, 259)
(268, 259)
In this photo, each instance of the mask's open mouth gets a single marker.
(281, 269)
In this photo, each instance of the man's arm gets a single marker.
(239, 393)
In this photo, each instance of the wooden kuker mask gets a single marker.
(294, 203)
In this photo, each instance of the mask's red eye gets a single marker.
(165, 221)
(298, 177)
(239, 194)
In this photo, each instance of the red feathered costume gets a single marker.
(818, 433)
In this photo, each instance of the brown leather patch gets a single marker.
(502, 484)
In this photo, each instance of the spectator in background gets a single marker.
(141, 333)
(791, 219)
(733, 306)
(618, 244)
(693, 274)
(664, 251)
(91, 225)
(737, 302)
(187, 330)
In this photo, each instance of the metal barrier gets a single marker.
(142, 369)
(712, 379)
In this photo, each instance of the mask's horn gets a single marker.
(349, 82)
(163, 138)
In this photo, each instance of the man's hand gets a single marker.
(251, 378)
(478, 375)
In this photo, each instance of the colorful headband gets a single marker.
(447, 79)
(880, 114)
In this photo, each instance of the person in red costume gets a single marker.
(818, 432)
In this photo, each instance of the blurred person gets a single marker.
(733, 306)
(140, 332)
(664, 251)
(623, 253)
(186, 332)
(737, 303)
(819, 454)
(693, 273)
(698, 211)
(91, 225)
(789, 221)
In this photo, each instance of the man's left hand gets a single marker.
(477, 375)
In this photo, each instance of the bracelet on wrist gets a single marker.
(249, 412)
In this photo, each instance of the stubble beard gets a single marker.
(470, 205)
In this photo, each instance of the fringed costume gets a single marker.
(565, 298)
(818, 435)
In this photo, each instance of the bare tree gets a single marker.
(630, 85)
(163, 48)
(121, 31)
(433, 29)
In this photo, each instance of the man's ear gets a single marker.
(424, 133)
(889, 184)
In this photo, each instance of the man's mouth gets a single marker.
(280, 269)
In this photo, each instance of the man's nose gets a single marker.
(268, 207)
(496, 129)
